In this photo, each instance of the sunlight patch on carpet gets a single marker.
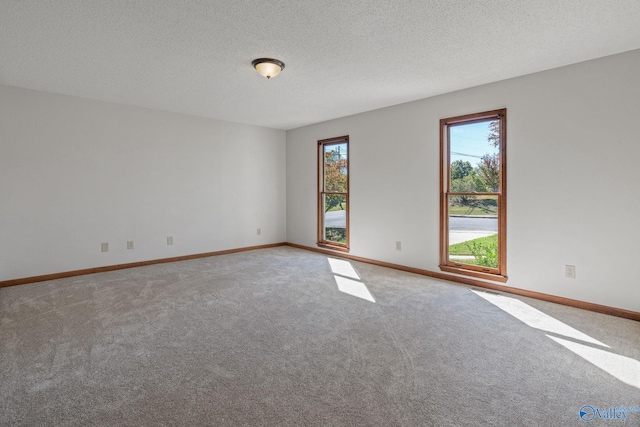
(535, 318)
(353, 287)
(343, 268)
(348, 279)
(623, 368)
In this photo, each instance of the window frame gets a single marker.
(321, 241)
(487, 273)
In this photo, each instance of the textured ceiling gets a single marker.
(342, 57)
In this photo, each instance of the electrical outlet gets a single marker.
(129, 244)
(170, 240)
(570, 271)
(398, 246)
(104, 247)
(258, 231)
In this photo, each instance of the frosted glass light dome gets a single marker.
(268, 67)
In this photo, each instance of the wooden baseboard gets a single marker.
(618, 312)
(62, 275)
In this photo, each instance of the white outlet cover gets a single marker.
(570, 271)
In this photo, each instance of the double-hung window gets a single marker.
(333, 193)
(473, 195)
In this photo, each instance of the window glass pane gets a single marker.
(474, 157)
(473, 230)
(335, 218)
(335, 168)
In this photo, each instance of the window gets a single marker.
(333, 193)
(473, 188)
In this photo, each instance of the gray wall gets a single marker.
(75, 173)
(573, 175)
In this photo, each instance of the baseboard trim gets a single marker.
(54, 276)
(612, 311)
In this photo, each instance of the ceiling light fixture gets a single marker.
(268, 67)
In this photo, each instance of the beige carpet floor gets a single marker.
(287, 337)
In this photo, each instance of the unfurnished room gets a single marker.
(319, 213)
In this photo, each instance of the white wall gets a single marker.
(573, 159)
(75, 173)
